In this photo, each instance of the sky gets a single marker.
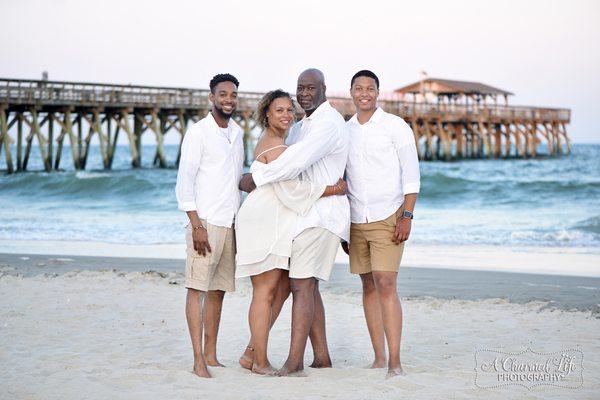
(546, 52)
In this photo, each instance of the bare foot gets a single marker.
(267, 371)
(212, 361)
(393, 372)
(321, 364)
(247, 359)
(378, 363)
(214, 364)
(297, 371)
(201, 370)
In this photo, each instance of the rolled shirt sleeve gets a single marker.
(299, 156)
(406, 149)
(189, 164)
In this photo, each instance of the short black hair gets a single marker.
(222, 78)
(367, 73)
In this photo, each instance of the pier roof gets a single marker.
(447, 86)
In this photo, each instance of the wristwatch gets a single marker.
(407, 214)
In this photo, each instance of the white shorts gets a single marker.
(313, 254)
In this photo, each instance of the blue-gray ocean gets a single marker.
(530, 202)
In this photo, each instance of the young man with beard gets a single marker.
(383, 183)
(317, 152)
(210, 168)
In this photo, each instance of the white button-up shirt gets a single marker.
(210, 170)
(317, 153)
(382, 167)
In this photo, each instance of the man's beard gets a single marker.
(222, 114)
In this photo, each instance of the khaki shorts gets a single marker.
(216, 270)
(313, 254)
(371, 246)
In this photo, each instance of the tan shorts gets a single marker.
(216, 270)
(313, 254)
(371, 246)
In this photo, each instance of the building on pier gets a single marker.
(435, 90)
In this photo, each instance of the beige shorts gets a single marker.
(371, 246)
(216, 270)
(313, 254)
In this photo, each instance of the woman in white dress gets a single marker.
(264, 227)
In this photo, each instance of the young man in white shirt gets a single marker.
(210, 168)
(383, 183)
(317, 152)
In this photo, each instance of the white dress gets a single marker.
(265, 223)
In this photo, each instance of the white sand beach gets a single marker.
(116, 335)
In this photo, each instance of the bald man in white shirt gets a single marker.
(212, 156)
(317, 152)
(383, 183)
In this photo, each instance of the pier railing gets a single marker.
(82, 94)
(412, 110)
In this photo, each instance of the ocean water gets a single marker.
(537, 202)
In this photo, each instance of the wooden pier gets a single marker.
(51, 112)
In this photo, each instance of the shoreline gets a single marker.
(564, 261)
(551, 291)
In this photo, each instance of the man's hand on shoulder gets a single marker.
(247, 183)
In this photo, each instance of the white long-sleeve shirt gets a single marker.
(210, 170)
(317, 152)
(383, 166)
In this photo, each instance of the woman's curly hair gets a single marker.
(265, 102)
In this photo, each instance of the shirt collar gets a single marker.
(377, 115)
(231, 125)
(375, 118)
(211, 120)
(319, 110)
